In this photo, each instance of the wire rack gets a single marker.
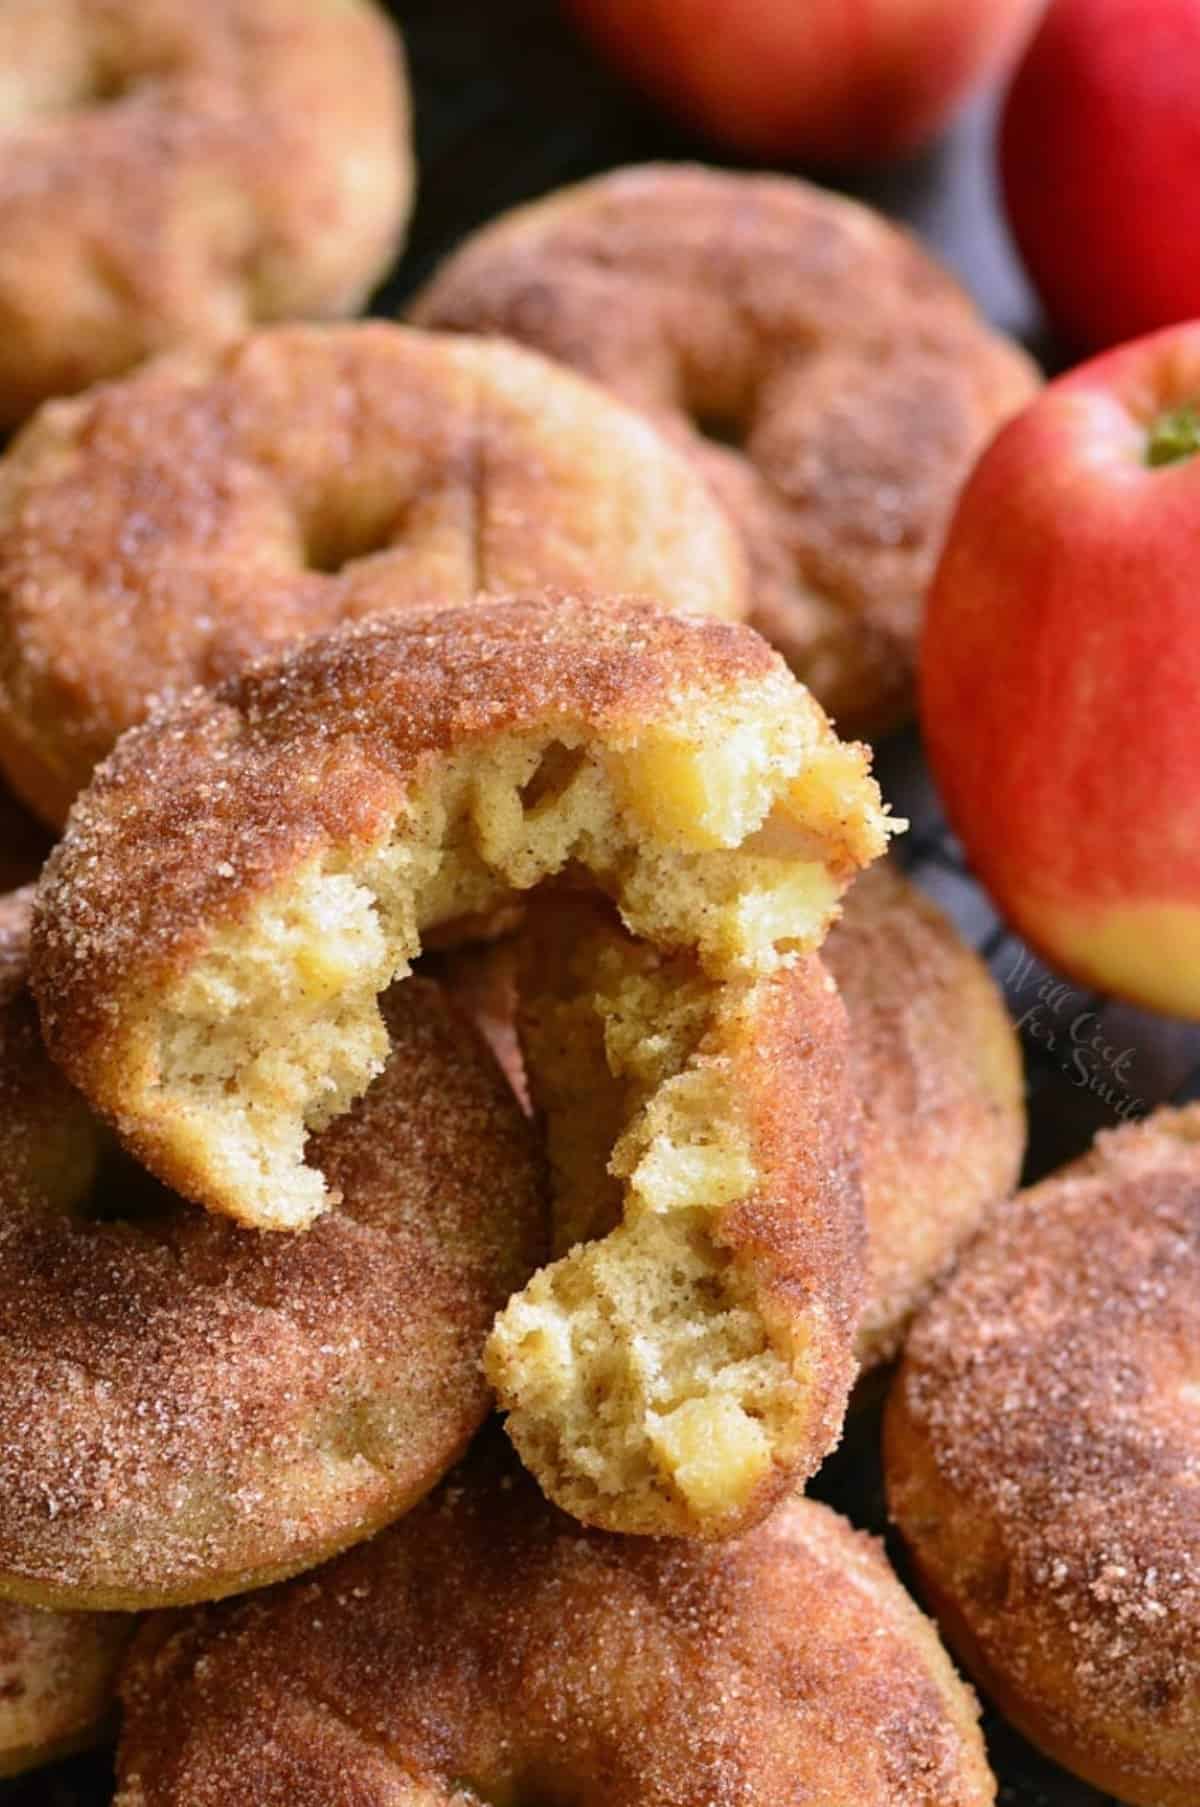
(509, 105)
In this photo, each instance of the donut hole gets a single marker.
(335, 538)
(109, 86)
(718, 389)
(126, 1192)
(722, 427)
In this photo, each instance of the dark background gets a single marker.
(508, 105)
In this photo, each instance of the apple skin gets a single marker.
(1100, 166)
(1060, 676)
(809, 80)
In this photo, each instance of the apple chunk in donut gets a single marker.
(693, 1347)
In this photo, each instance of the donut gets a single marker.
(173, 173)
(830, 380)
(190, 1408)
(251, 868)
(162, 530)
(703, 1146)
(58, 1676)
(940, 1076)
(488, 1648)
(1043, 1454)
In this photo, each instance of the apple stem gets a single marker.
(1174, 435)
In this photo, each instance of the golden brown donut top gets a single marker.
(189, 1408)
(941, 1081)
(834, 383)
(58, 1674)
(491, 1649)
(1044, 1457)
(172, 172)
(160, 531)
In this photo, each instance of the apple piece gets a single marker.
(1100, 163)
(1060, 671)
(825, 81)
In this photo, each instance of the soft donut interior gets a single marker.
(644, 1384)
(730, 830)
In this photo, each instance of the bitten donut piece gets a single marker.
(830, 380)
(58, 1676)
(1043, 1461)
(161, 531)
(490, 1649)
(938, 1070)
(689, 1356)
(253, 867)
(172, 172)
(189, 1408)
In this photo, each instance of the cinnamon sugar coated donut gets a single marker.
(160, 531)
(172, 172)
(58, 1676)
(490, 1649)
(831, 381)
(191, 1409)
(249, 870)
(939, 1073)
(1043, 1461)
(703, 1143)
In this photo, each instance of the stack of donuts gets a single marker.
(479, 1107)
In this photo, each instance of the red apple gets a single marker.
(1060, 671)
(1100, 160)
(827, 80)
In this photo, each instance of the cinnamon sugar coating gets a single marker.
(191, 1409)
(830, 380)
(58, 1674)
(1043, 1461)
(161, 531)
(490, 1649)
(939, 1073)
(174, 172)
